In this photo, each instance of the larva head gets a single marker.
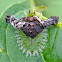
(29, 19)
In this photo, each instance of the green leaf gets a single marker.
(12, 10)
(54, 7)
(4, 57)
(53, 50)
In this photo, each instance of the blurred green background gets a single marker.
(5, 3)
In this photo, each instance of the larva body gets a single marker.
(31, 26)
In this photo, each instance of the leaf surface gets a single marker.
(53, 50)
(4, 57)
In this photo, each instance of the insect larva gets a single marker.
(32, 26)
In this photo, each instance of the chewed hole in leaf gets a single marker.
(31, 46)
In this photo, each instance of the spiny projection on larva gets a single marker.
(32, 47)
(31, 32)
